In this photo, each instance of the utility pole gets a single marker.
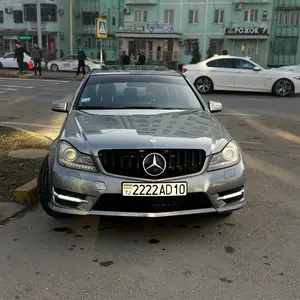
(39, 22)
(71, 26)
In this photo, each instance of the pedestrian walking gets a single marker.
(37, 56)
(19, 55)
(142, 59)
(81, 61)
(124, 59)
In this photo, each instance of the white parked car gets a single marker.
(70, 63)
(234, 73)
(8, 61)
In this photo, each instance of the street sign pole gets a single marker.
(101, 32)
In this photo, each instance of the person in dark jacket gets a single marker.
(81, 61)
(142, 59)
(37, 56)
(19, 55)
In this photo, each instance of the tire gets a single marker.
(283, 88)
(25, 66)
(87, 69)
(1, 66)
(204, 85)
(54, 68)
(44, 190)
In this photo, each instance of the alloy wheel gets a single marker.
(203, 85)
(283, 88)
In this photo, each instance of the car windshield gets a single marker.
(138, 92)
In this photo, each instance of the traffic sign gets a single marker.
(101, 29)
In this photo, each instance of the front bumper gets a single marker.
(82, 193)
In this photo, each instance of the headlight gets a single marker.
(69, 157)
(297, 77)
(228, 157)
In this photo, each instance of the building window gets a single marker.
(169, 16)
(189, 47)
(89, 18)
(219, 16)
(113, 21)
(286, 45)
(18, 16)
(141, 16)
(250, 15)
(289, 18)
(48, 12)
(1, 16)
(216, 45)
(265, 15)
(193, 16)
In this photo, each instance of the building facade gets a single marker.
(285, 42)
(18, 22)
(84, 14)
(248, 29)
(165, 30)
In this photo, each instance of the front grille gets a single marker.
(116, 202)
(129, 162)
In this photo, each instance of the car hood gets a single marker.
(91, 131)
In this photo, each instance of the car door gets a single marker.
(74, 63)
(249, 78)
(66, 63)
(9, 61)
(222, 73)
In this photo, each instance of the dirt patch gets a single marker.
(15, 172)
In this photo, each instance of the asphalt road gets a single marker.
(254, 254)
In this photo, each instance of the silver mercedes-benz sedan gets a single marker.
(141, 143)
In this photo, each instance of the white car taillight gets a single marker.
(184, 70)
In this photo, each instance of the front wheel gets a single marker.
(44, 190)
(283, 88)
(54, 68)
(204, 85)
(87, 69)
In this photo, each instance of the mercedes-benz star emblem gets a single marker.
(154, 164)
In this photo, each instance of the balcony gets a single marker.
(287, 4)
(141, 2)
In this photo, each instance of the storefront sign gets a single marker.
(25, 37)
(246, 31)
(160, 28)
(131, 28)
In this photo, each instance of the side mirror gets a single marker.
(215, 107)
(256, 69)
(60, 106)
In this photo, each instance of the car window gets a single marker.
(11, 55)
(243, 64)
(138, 91)
(226, 63)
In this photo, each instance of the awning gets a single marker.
(144, 35)
(246, 37)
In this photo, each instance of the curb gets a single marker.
(30, 76)
(27, 193)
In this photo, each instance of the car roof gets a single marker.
(135, 70)
(228, 56)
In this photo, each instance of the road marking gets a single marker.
(5, 99)
(2, 92)
(14, 86)
(9, 89)
(31, 125)
(49, 89)
(241, 115)
(56, 81)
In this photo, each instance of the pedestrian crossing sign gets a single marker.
(101, 29)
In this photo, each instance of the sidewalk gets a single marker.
(70, 76)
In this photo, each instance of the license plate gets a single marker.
(154, 189)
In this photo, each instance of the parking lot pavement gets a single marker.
(254, 254)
